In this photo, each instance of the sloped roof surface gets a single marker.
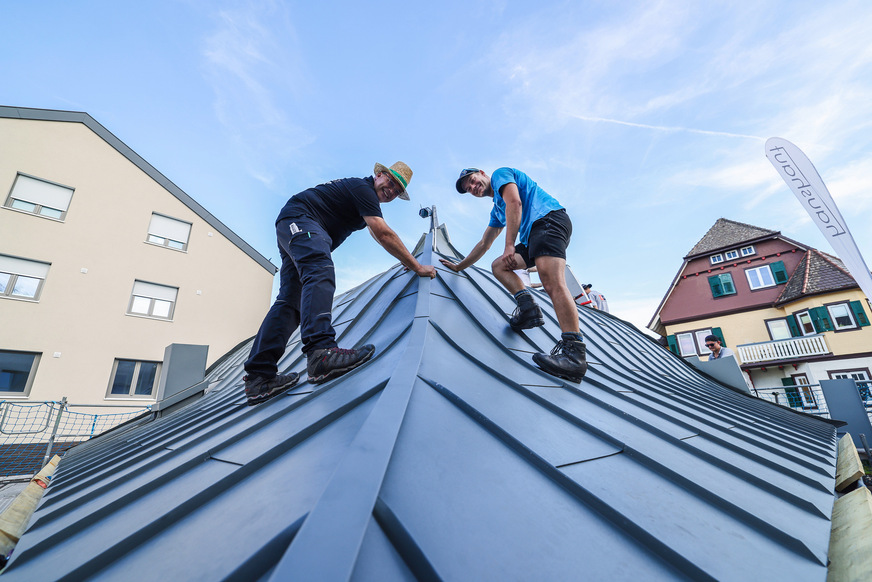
(449, 456)
(139, 161)
(727, 233)
(816, 272)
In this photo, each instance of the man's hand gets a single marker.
(453, 266)
(509, 260)
(426, 271)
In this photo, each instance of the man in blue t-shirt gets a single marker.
(309, 227)
(543, 229)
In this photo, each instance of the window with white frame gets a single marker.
(805, 324)
(168, 232)
(133, 379)
(747, 251)
(20, 278)
(760, 277)
(39, 197)
(841, 315)
(17, 370)
(151, 300)
(700, 336)
(715, 259)
(778, 329)
(730, 255)
(685, 344)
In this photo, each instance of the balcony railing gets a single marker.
(788, 349)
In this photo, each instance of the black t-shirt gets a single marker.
(339, 206)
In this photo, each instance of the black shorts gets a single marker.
(549, 237)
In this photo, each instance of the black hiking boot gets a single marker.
(259, 389)
(567, 360)
(329, 363)
(527, 315)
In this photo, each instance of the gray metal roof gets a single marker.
(139, 161)
(449, 456)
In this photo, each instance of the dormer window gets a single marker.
(715, 259)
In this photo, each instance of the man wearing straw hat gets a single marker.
(310, 226)
(543, 229)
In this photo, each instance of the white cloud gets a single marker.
(252, 63)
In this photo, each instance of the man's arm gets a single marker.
(490, 235)
(390, 241)
(512, 198)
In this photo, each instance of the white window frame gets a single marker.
(14, 270)
(700, 336)
(134, 380)
(758, 271)
(715, 259)
(30, 375)
(772, 333)
(681, 339)
(168, 232)
(848, 311)
(39, 197)
(748, 251)
(730, 255)
(802, 325)
(152, 300)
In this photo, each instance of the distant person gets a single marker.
(597, 299)
(543, 227)
(310, 226)
(713, 343)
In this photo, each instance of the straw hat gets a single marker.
(400, 172)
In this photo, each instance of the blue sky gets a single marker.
(645, 119)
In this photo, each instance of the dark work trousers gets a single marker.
(307, 284)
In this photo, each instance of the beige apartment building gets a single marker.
(104, 263)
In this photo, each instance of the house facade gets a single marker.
(792, 315)
(104, 262)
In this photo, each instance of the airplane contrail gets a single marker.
(665, 128)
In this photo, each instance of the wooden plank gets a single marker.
(850, 554)
(848, 466)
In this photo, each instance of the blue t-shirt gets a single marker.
(339, 206)
(535, 202)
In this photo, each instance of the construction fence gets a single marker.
(31, 432)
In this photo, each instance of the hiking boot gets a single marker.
(567, 360)
(259, 389)
(329, 363)
(526, 316)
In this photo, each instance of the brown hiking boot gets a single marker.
(568, 360)
(330, 363)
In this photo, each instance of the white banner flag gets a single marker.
(802, 177)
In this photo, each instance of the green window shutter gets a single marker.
(820, 319)
(717, 331)
(859, 313)
(794, 327)
(715, 284)
(779, 272)
(673, 344)
(793, 397)
(727, 284)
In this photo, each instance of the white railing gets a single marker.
(797, 347)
